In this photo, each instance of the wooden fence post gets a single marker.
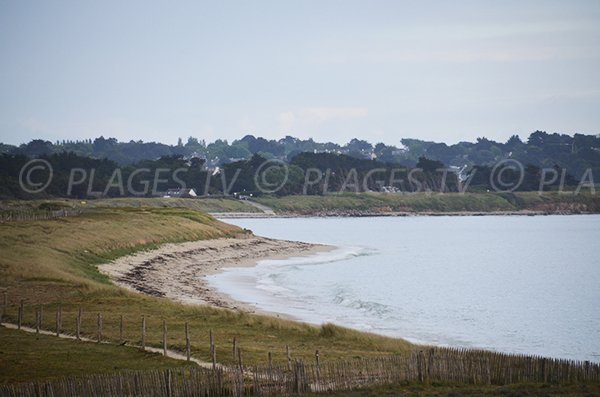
(121, 329)
(240, 362)
(429, 364)
(212, 341)
(78, 324)
(99, 323)
(289, 357)
(420, 365)
(297, 387)
(143, 332)
(4, 306)
(270, 358)
(214, 357)
(234, 351)
(37, 321)
(20, 319)
(165, 338)
(168, 383)
(318, 366)
(187, 342)
(41, 316)
(58, 319)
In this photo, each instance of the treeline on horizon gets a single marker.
(75, 176)
(575, 153)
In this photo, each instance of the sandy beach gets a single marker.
(178, 271)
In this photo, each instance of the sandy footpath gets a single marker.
(177, 271)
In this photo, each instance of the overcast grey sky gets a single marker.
(331, 70)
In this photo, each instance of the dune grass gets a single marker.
(434, 202)
(52, 261)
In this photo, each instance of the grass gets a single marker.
(348, 203)
(24, 357)
(434, 202)
(46, 262)
(198, 204)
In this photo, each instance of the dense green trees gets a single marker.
(575, 154)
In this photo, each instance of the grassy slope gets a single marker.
(199, 204)
(24, 357)
(432, 202)
(51, 261)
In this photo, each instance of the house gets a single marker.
(180, 193)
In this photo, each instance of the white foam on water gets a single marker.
(262, 285)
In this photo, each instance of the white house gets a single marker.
(180, 193)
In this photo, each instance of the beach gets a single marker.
(178, 271)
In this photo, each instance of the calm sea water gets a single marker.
(513, 284)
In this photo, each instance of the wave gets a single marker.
(320, 258)
(347, 298)
(272, 274)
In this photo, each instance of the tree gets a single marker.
(537, 138)
(379, 147)
(192, 142)
(429, 165)
(101, 145)
(513, 142)
(37, 147)
(358, 145)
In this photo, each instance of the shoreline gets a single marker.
(178, 271)
(366, 214)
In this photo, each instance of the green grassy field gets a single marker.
(348, 203)
(46, 262)
(24, 357)
(434, 202)
(199, 204)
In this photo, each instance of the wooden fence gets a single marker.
(432, 365)
(36, 215)
(54, 324)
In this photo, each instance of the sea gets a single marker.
(517, 284)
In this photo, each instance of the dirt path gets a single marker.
(266, 210)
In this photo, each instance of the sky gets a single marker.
(330, 70)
